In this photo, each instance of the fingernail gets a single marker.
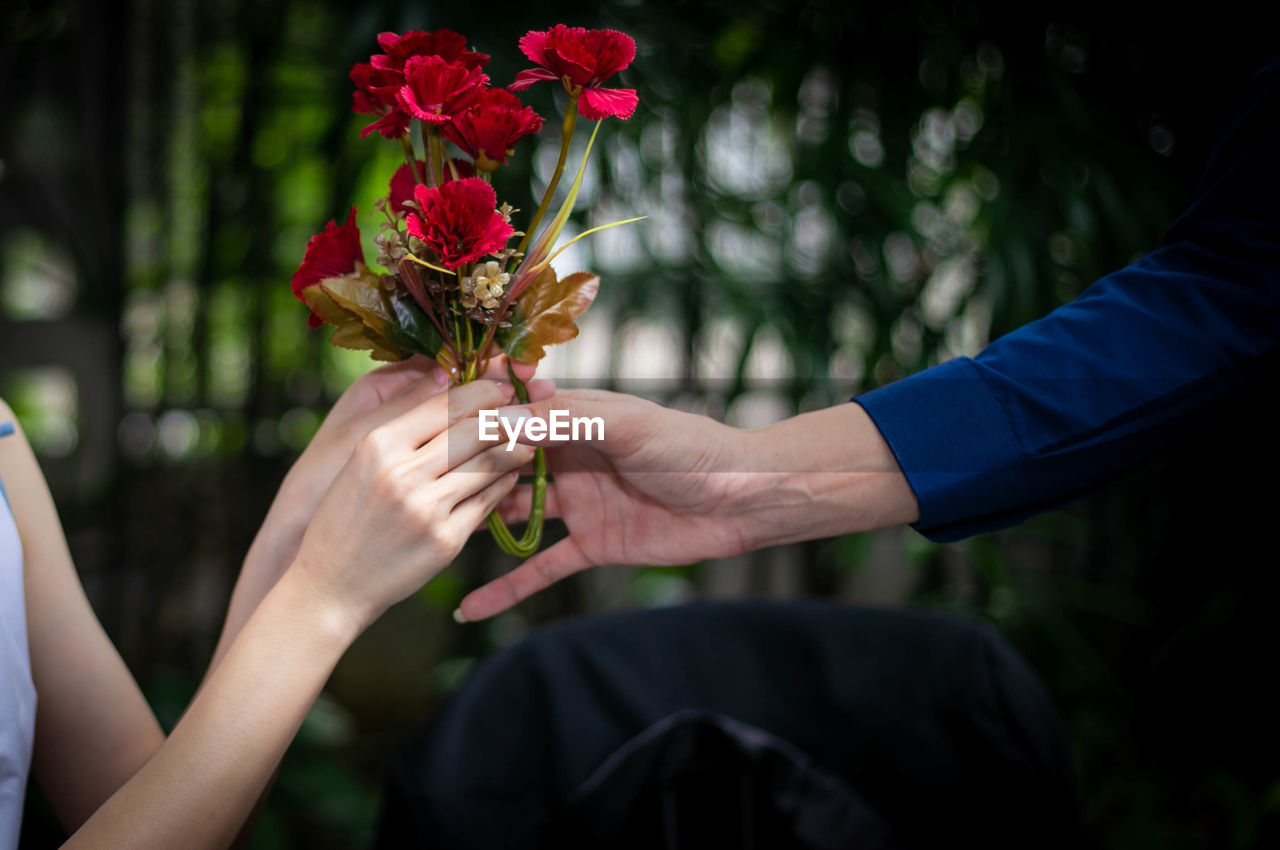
(439, 377)
(458, 616)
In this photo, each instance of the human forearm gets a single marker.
(200, 786)
(374, 399)
(273, 548)
(817, 475)
(665, 487)
(396, 515)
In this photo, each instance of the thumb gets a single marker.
(565, 417)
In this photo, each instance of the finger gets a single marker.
(538, 573)
(467, 438)
(516, 505)
(471, 511)
(476, 473)
(390, 377)
(412, 387)
(584, 416)
(524, 371)
(382, 384)
(497, 369)
(539, 390)
(467, 400)
(408, 372)
(425, 421)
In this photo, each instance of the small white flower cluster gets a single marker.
(485, 287)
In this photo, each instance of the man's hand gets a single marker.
(665, 487)
(658, 490)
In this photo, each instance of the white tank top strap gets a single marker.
(17, 693)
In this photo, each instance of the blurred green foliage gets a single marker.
(838, 195)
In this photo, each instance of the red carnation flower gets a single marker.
(459, 221)
(378, 81)
(447, 44)
(435, 90)
(333, 252)
(490, 128)
(582, 59)
(403, 182)
(375, 94)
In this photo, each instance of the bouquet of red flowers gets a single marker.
(454, 290)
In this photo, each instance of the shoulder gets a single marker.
(18, 466)
(9, 426)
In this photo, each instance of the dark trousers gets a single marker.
(749, 725)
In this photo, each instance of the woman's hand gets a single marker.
(405, 503)
(374, 399)
(363, 406)
(377, 397)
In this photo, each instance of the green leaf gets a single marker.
(415, 325)
(539, 255)
(544, 314)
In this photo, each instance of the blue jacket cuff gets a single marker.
(953, 441)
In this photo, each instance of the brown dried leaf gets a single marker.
(544, 314)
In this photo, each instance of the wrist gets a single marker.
(294, 502)
(273, 548)
(334, 618)
(744, 478)
(751, 482)
(820, 474)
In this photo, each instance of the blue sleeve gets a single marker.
(1055, 408)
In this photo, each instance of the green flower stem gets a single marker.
(473, 363)
(527, 544)
(432, 153)
(566, 136)
(457, 339)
